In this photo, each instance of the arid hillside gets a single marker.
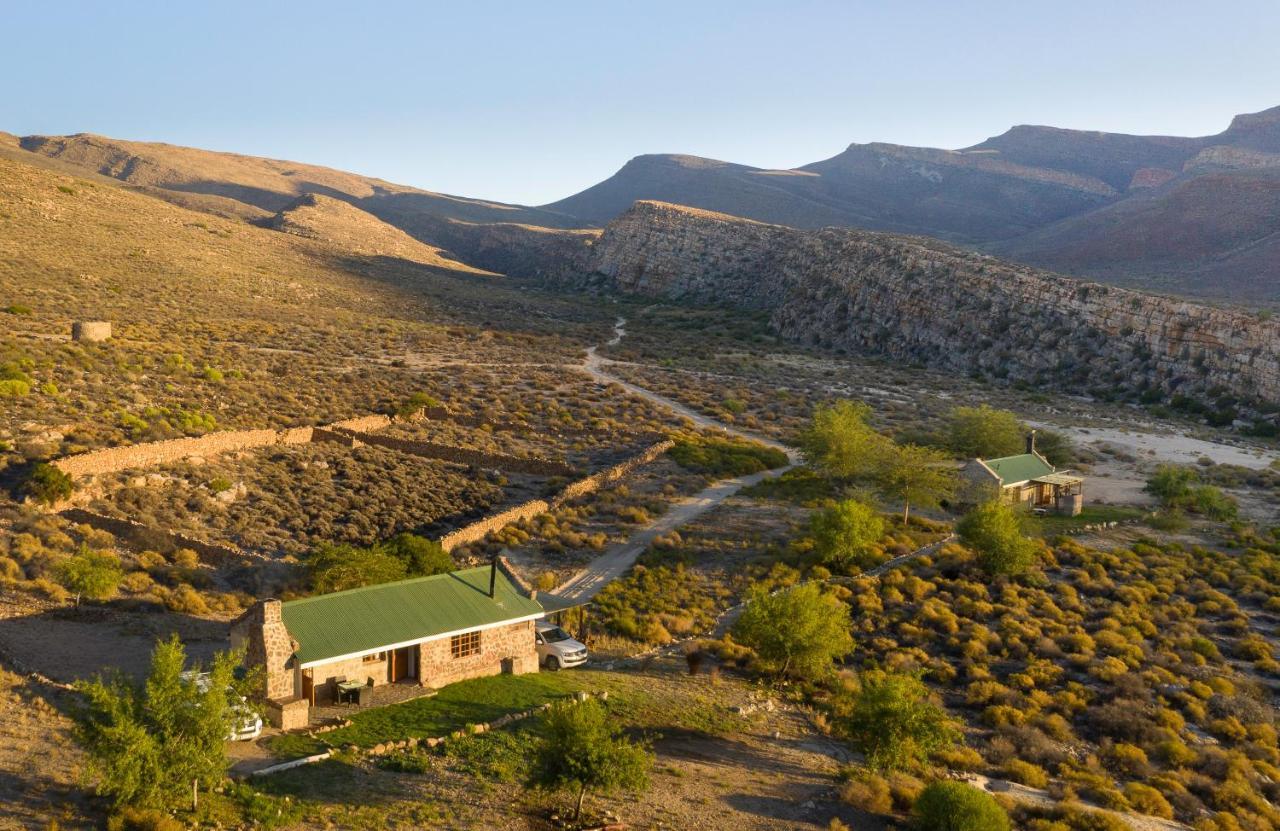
(219, 323)
(918, 300)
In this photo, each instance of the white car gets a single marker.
(556, 649)
(247, 724)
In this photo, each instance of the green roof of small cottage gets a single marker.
(1020, 468)
(366, 619)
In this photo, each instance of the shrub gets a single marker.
(995, 531)
(895, 724)
(17, 309)
(953, 806)
(868, 792)
(14, 388)
(1025, 773)
(1147, 800)
(421, 556)
(582, 749)
(141, 819)
(48, 484)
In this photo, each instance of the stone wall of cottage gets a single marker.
(512, 643)
(323, 677)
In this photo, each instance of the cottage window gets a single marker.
(468, 643)
(374, 657)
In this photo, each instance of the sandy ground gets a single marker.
(1115, 480)
(67, 644)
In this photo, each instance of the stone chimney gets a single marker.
(1031, 441)
(267, 643)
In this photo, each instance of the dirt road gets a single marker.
(618, 558)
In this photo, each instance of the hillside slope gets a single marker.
(917, 300)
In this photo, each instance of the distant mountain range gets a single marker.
(1197, 216)
(1189, 215)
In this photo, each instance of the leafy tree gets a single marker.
(955, 806)
(580, 751)
(845, 531)
(92, 574)
(1057, 448)
(336, 567)
(894, 722)
(47, 484)
(421, 556)
(1171, 484)
(414, 403)
(984, 432)
(152, 745)
(916, 475)
(995, 531)
(841, 443)
(796, 632)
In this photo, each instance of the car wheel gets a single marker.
(553, 663)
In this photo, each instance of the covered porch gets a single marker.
(1061, 493)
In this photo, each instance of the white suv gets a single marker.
(246, 724)
(556, 650)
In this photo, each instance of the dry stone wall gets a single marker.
(115, 459)
(477, 531)
(919, 300)
(144, 537)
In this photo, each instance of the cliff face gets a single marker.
(919, 300)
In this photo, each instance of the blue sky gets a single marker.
(532, 101)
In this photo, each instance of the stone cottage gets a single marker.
(1025, 479)
(428, 631)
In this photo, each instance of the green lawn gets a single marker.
(645, 701)
(1051, 525)
(453, 708)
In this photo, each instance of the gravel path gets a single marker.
(618, 558)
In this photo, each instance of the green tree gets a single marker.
(336, 567)
(841, 443)
(580, 750)
(915, 475)
(92, 574)
(1171, 484)
(955, 806)
(155, 744)
(421, 556)
(796, 632)
(995, 531)
(984, 432)
(1056, 447)
(47, 484)
(845, 531)
(895, 724)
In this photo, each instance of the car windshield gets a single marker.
(555, 634)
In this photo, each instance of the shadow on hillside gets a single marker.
(69, 644)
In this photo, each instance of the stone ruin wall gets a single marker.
(480, 529)
(464, 455)
(127, 457)
(922, 301)
(144, 537)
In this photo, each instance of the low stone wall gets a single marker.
(596, 481)
(463, 455)
(115, 459)
(146, 537)
(528, 510)
(480, 529)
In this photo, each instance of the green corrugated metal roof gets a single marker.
(360, 620)
(1020, 468)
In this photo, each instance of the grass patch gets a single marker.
(800, 486)
(1052, 525)
(453, 708)
(720, 457)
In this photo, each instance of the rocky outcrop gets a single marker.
(922, 301)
